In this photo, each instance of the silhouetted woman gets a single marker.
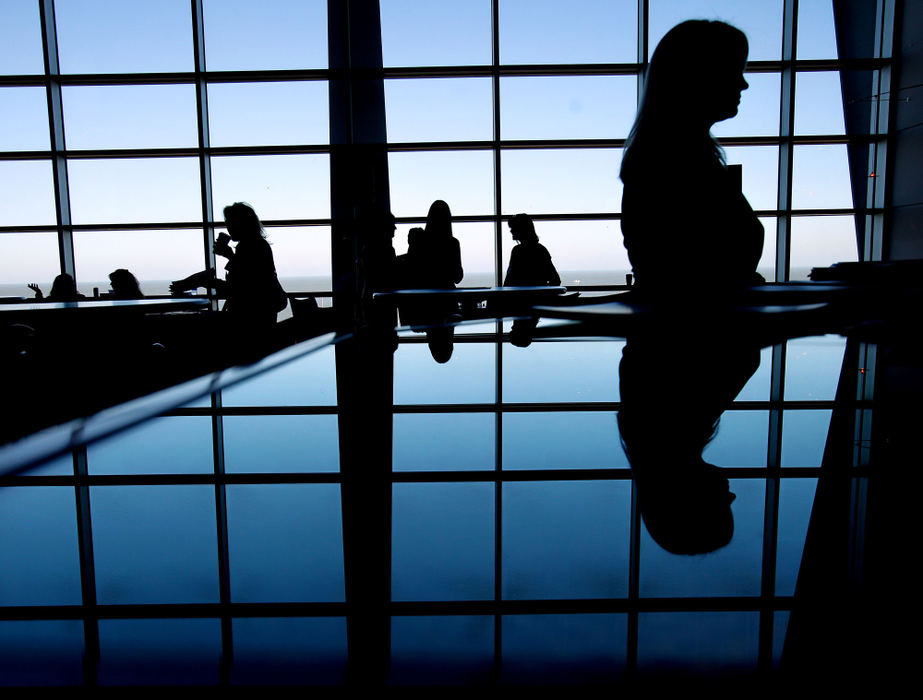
(685, 223)
(124, 285)
(438, 260)
(530, 262)
(64, 288)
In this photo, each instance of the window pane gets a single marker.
(819, 103)
(820, 178)
(566, 539)
(579, 31)
(546, 441)
(21, 38)
(28, 193)
(469, 377)
(796, 501)
(41, 652)
(757, 387)
(302, 257)
(760, 21)
(562, 371)
(760, 173)
(820, 241)
(580, 107)
(23, 119)
(277, 187)
(285, 543)
(439, 651)
(130, 116)
(25, 258)
(435, 33)
(767, 263)
(476, 240)
(261, 114)
(437, 441)
(759, 109)
(307, 381)
(102, 36)
(281, 444)
(154, 257)
(698, 643)
(816, 31)
(117, 190)
(237, 34)
(559, 181)
(741, 440)
(583, 252)
(439, 109)
(464, 179)
(812, 368)
(170, 445)
(442, 545)
(804, 437)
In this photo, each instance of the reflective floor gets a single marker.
(476, 520)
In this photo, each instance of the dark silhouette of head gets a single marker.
(523, 229)
(439, 220)
(414, 238)
(694, 79)
(63, 288)
(242, 222)
(124, 285)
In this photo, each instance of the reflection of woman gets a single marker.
(683, 215)
(530, 262)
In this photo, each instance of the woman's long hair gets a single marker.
(439, 220)
(684, 62)
(246, 217)
(525, 228)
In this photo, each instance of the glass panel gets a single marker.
(298, 32)
(39, 546)
(308, 381)
(28, 193)
(760, 21)
(21, 38)
(816, 31)
(820, 177)
(285, 543)
(442, 541)
(442, 441)
(796, 501)
(733, 569)
(171, 445)
(469, 377)
(757, 387)
(259, 114)
(579, 32)
(583, 252)
(476, 240)
(820, 241)
(439, 109)
(741, 440)
(558, 181)
(99, 36)
(123, 190)
(767, 264)
(289, 650)
(804, 437)
(566, 539)
(60, 466)
(589, 648)
(546, 441)
(464, 179)
(155, 544)
(435, 34)
(698, 643)
(41, 652)
(23, 119)
(812, 368)
(130, 116)
(758, 114)
(154, 257)
(277, 187)
(562, 371)
(302, 257)
(281, 444)
(25, 258)
(819, 103)
(159, 652)
(567, 107)
(445, 650)
(760, 173)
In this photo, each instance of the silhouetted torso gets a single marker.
(437, 264)
(252, 290)
(530, 266)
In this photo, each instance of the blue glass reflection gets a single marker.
(441, 650)
(698, 643)
(281, 444)
(308, 381)
(812, 368)
(442, 542)
(566, 539)
(757, 387)
(742, 440)
(285, 542)
(804, 437)
(562, 371)
(289, 650)
(796, 501)
(469, 377)
(170, 445)
(578, 440)
(41, 652)
(440, 441)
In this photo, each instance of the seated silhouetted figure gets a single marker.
(530, 262)
(124, 285)
(435, 261)
(686, 225)
(64, 288)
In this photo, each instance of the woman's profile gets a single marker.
(124, 285)
(530, 262)
(684, 218)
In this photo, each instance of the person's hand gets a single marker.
(177, 288)
(35, 288)
(222, 248)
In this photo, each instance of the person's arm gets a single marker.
(38, 291)
(551, 274)
(204, 278)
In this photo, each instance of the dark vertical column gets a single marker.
(56, 125)
(786, 131)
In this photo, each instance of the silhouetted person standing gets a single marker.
(686, 224)
(530, 262)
